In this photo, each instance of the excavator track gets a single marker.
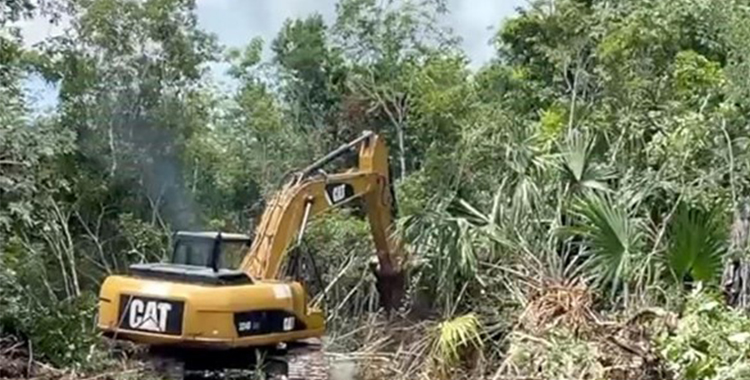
(306, 361)
(299, 362)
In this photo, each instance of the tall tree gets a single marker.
(312, 74)
(384, 41)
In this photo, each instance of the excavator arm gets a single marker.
(310, 193)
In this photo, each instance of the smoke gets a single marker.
(163, 180)
(142, 152)
(163, 175)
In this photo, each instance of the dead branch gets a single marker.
(14, 163)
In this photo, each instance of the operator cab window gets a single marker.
(200, 251)
(193, 252)
(231, 255)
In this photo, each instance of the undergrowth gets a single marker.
(710, 341)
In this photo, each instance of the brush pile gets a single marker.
(559, 335)
(559, 304)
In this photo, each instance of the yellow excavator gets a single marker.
(221, 295)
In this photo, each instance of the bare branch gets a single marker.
(15, 163)
(94, 238)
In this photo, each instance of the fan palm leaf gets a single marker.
(697, 244)
(454, 336)
(577, 163)
(612, 240)
(445, 245)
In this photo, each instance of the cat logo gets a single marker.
(150, 316)
(338, 192)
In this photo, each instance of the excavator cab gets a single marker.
(201, 258)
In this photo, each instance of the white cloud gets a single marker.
(237, 22)
(39, 28)
(213, 3)
(477, 21)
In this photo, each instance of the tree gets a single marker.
(385, 43)
(313, 73)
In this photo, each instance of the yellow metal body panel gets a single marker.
(208, 315)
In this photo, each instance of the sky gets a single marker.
(236, 22)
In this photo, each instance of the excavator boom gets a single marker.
(309, 193)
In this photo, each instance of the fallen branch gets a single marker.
(11, 162)
(627, 347)
(47, 370)
(651, 313)
(10, 349)
(31, 359)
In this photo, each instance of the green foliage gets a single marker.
(709, 342)
(694, 72)
(387, 34)
(447, 248)
(314, 74)
(558, 355)
(147, 242)
(244, 60)
(453, 338)
(578, 165)
(29, 170)
(335, 252)
(552, 123)
(62, 333)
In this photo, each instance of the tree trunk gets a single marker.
(736, 276)
(402, 149)
(390, 289)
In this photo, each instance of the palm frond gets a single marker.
(612, 238)
(454, 336)
(578, 165)
(446, 246)
(575, 155)
(473, 214)
(697, 244)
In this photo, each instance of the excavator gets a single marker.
(222, 297)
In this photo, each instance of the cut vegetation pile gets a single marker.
(559, 335)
